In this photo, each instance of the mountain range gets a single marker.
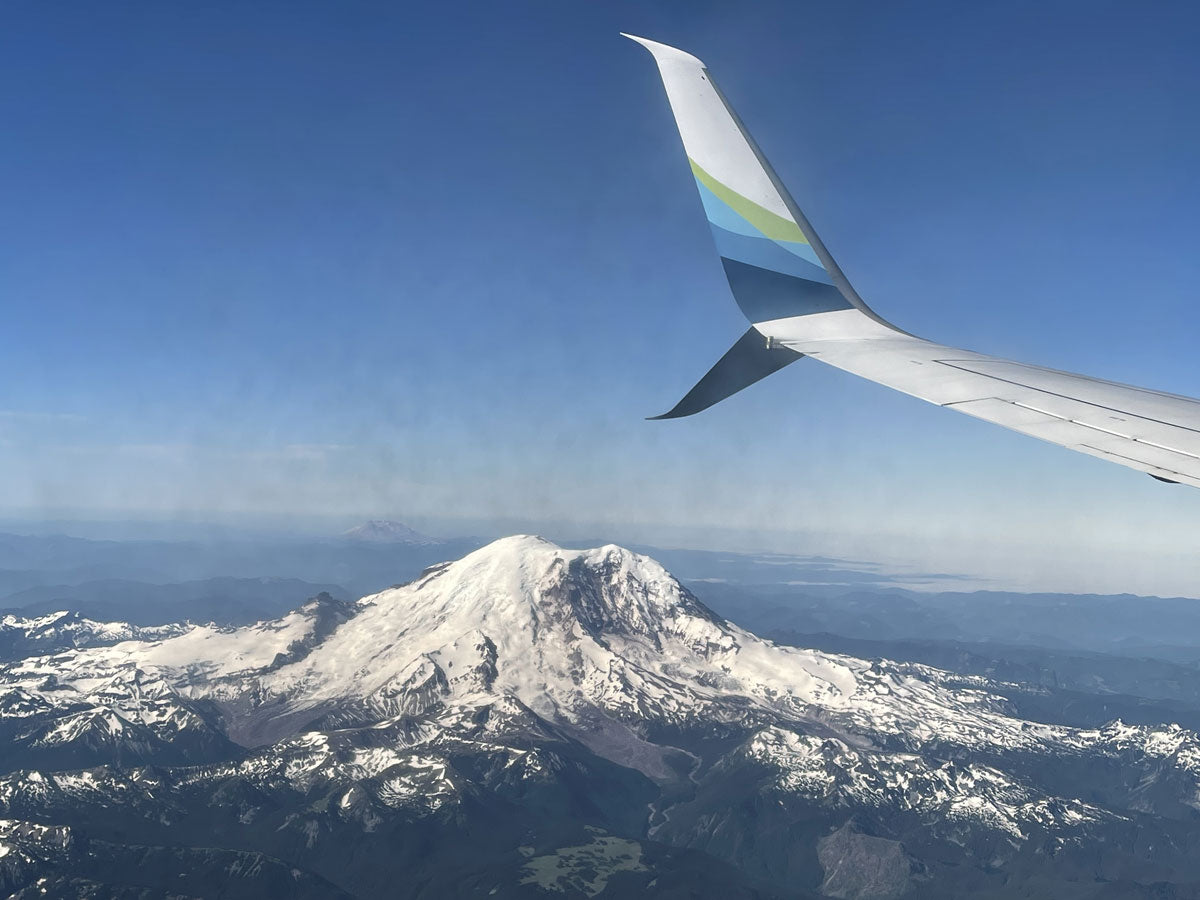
(535, 721)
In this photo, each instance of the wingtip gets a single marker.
(675, 412)
(663, 52)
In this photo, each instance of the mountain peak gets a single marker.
(386, 531)
(608, 589)
(520, 617)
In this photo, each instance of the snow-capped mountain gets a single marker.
(385, 531)
(560, 691)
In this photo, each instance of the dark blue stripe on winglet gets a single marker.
(764, 295)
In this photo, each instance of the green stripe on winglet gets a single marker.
(774, 226)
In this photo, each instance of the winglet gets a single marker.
(751, 359)
(776, 265)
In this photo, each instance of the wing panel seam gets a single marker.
(1027, 387)
(1140, 462)
(1088, 425)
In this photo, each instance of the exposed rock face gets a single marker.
(861, 867)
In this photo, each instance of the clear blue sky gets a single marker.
(438, 261)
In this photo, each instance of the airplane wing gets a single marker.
(799, 303)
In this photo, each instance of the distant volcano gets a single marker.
(385, 531)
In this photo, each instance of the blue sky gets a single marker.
(307, 259)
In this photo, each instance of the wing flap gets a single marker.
(1020, 416)
(1106, 397)
(1169, 475)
